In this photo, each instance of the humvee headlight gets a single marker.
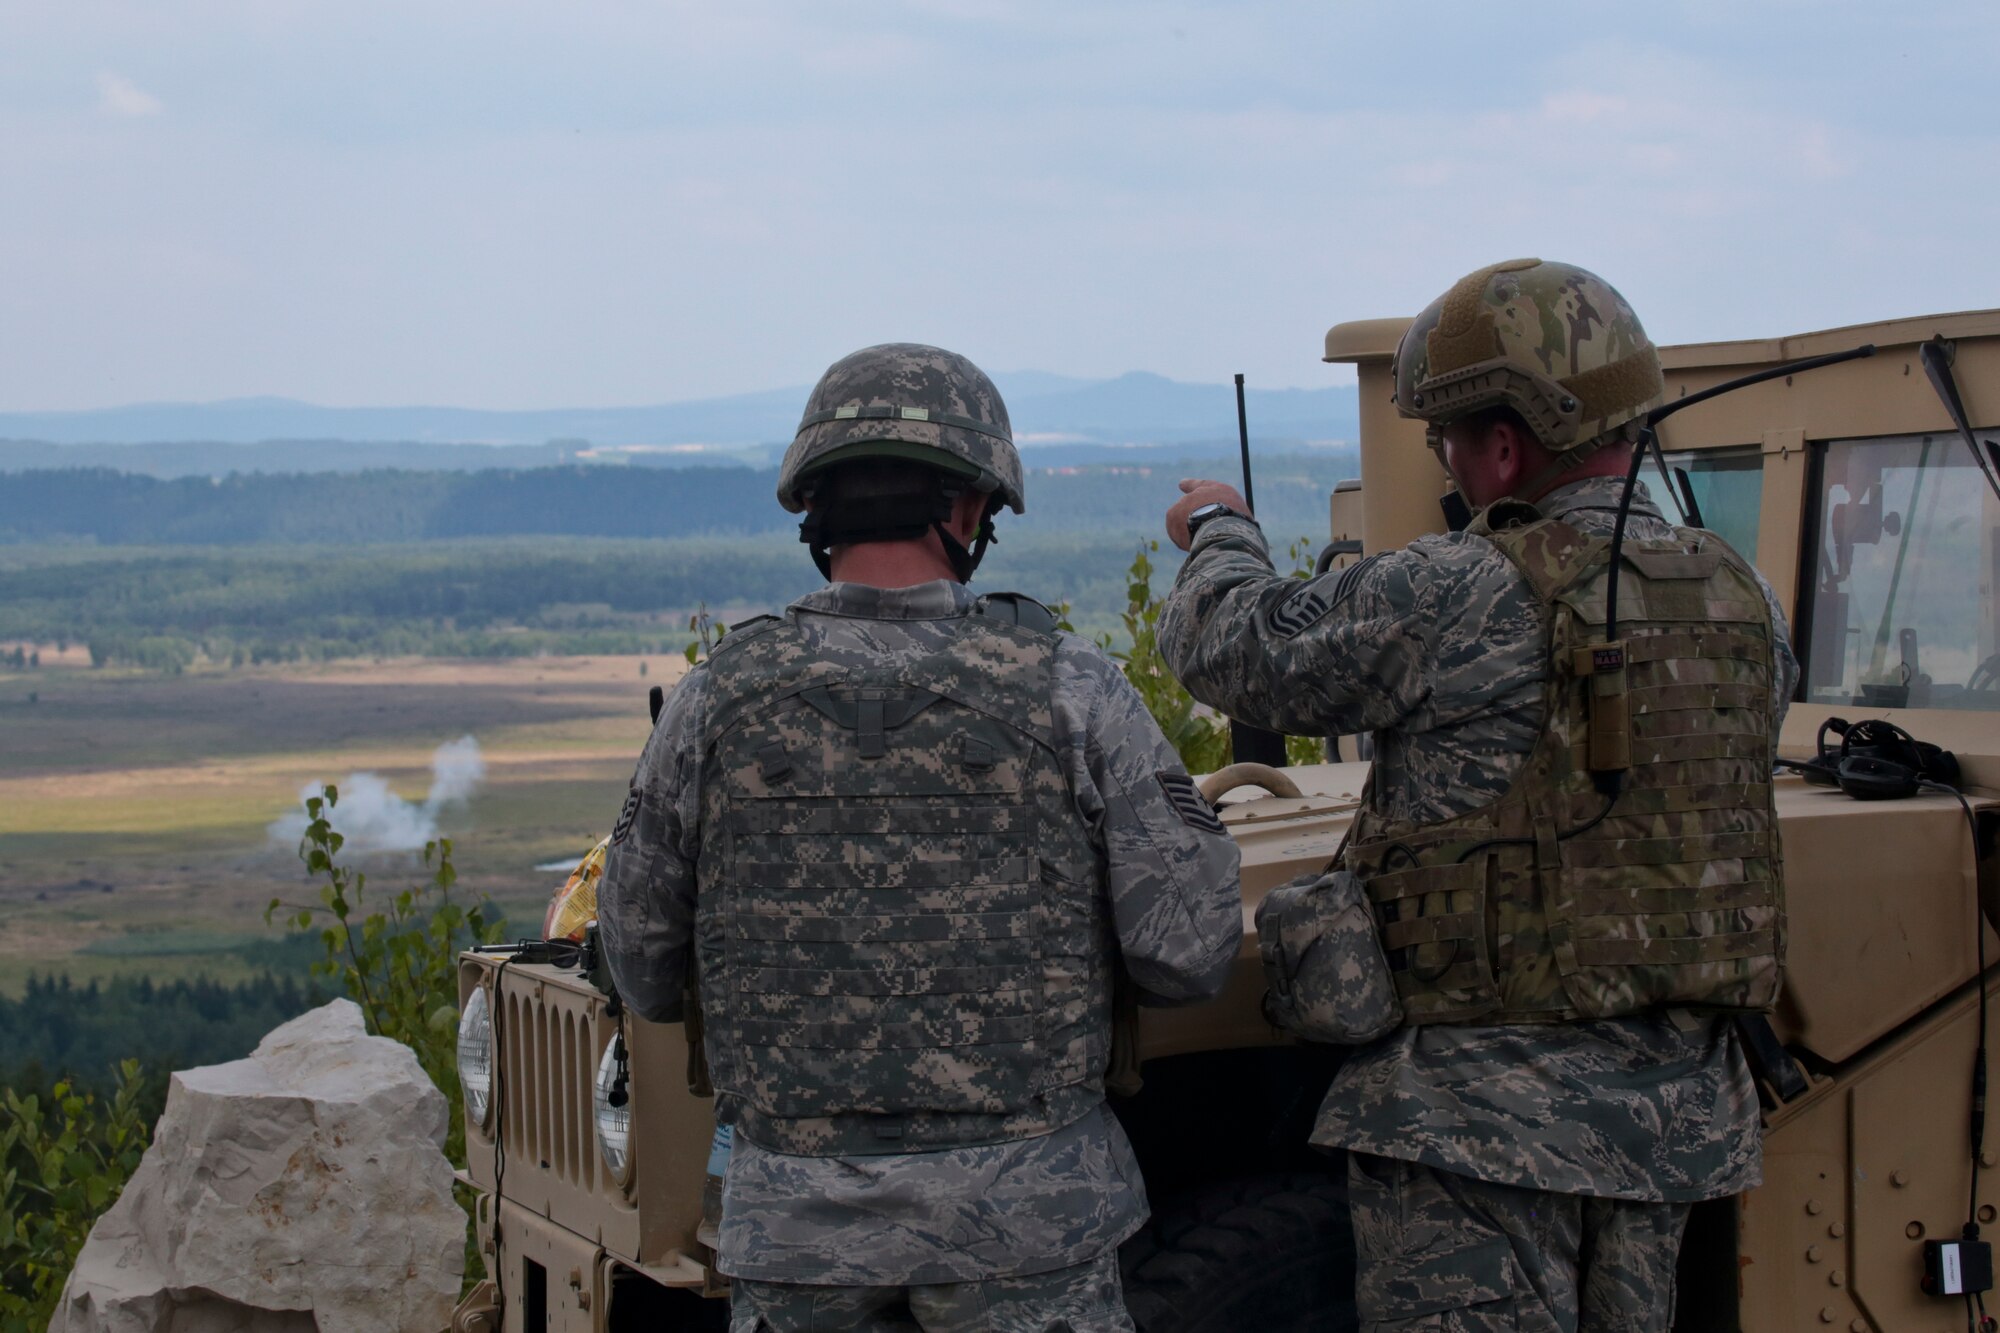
(475, 1057)
(612, 1106)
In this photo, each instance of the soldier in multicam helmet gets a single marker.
(906, 837)
(1561, 927)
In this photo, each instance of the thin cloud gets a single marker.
(119, 96)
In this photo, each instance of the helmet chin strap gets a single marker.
(964, 561)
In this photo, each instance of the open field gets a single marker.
(135, 808)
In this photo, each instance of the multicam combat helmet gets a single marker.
(1556, 343)
(905, 400)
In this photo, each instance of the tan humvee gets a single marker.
(1861, 505)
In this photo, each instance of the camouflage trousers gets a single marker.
(1438, 1252)
(1084, 1298)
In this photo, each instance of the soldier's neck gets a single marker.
(892, 564)
(1608, 462)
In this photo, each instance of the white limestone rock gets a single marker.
(302, 1190)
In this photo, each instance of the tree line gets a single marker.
(166, 609)
(104, 507)
(59, 1029)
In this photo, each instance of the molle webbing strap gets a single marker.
(890, 412)
(1444, 928)
(879, 817)
(1578, 808)
(868, 726)
(1672, 901)
(772, 761)
(1699, 696)
(779, 925)
(1703, 643)
(1449, 877)
(1675, 951)
(829, 876)
(1587, 853)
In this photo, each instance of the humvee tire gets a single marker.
(1272, 1253)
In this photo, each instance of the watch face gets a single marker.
(1200, 516)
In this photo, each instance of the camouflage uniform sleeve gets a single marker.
(1333, 655)
(645, 902)
(1170, 867)
(1788, 661)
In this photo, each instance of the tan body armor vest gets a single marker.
(901, 924)
(1557, 903)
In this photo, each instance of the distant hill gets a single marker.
(1059, 419)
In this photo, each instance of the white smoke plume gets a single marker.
(373, 818)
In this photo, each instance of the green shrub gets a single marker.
(62, 1163)
(1197, 733)
(399, 965)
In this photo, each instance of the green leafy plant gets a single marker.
(400, 964)
(63, 1161)
(1199, 735)
(707, 631)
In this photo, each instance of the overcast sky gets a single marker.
(599, 202)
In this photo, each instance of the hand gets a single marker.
(1195, 494)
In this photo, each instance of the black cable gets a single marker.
(499, 1270)
(1978, 1124)
(1578, 831)
(1408, 855)
(1647, 440)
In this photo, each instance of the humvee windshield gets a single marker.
(1728, 485)
(1902, 605)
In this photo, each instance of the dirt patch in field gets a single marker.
(133, 803)
(81, 722)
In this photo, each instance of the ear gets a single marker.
(1510, 455)
(967, 512)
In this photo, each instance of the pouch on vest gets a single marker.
(1324, 969)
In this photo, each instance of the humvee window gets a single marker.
(1728, 486)
(1903, 588)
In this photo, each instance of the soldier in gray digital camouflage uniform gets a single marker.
(1567, 845)
(907, 838)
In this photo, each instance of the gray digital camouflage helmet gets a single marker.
(908, 401)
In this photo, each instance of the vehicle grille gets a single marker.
(548, 1058)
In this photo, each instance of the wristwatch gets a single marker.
(1204, 513)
